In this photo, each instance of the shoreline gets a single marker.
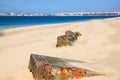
(3, 31)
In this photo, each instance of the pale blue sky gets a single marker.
(54, 6)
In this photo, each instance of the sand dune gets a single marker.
(98, 48)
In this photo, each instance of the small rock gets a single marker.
(67, 39)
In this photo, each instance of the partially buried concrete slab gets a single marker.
(52, 68)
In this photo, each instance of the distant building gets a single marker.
(12, 14)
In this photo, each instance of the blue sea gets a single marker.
(18, 21)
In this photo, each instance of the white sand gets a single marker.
(98, 48)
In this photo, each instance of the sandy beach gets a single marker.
(98, 48)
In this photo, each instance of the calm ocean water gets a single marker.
(17, 21)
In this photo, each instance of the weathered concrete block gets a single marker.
(52, 68)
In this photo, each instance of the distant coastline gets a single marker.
(63, 14)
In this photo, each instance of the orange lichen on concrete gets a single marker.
(78, 73)
(64, 74)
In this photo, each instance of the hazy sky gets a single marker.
(54, 6)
